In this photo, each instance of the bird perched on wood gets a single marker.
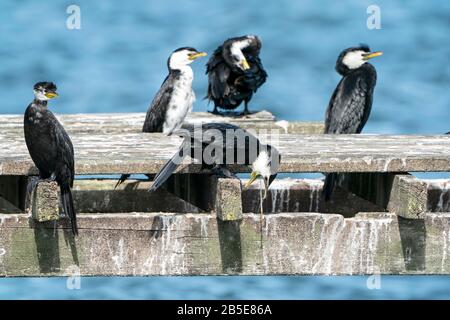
(351, 102)
(218, 145)
(175, 97)
(235, 72)
(50, 147)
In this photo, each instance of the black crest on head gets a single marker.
(185, 48)
(48, 86)
(177, 50)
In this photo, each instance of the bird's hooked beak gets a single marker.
(197, 55)
(51, 95)
(370, 55)
(255, 175)
(244, 64)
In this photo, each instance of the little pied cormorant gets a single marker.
(50, 147)
(175, 97)
(351, 102)
(224, 139)
(235, 72)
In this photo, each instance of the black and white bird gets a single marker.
(351, 102)
(219, 145)
(50, 147)
(175, 98)
(235, 72)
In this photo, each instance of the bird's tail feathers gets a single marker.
(121, 180)
(168, 168)
(67, 202)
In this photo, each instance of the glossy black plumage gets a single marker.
(350, 105)
(228, 85)
(193, 143)
(351, 102)
(51, 149)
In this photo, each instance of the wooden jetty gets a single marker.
(381, 219)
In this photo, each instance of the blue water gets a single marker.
(309, 287)
(117, 61)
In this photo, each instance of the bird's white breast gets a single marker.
(181, 101)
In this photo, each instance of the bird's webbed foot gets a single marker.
(32, 183)
(246, 113)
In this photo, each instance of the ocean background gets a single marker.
(117, 61)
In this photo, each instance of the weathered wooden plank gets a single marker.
(101, 196)
(146, 153)
(304, 195)
(113, 123)
(285, 195)
(196, 244)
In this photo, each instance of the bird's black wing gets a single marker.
(218, 73)
(256, 75)
(156, 113)
(349, 107)
(65, 169)
(169, 167)
(219, 136)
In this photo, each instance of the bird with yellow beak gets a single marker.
(235, 72)
(265, 166)
(351, 102)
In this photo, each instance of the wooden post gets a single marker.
(408, 197)
(402, 194)
(228, 204)
(44, 204)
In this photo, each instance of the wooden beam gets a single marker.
(401, 194)
(101, 196)
(285, 195)
(114, 123)
(142, 244)
(117, 153)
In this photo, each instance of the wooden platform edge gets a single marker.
(141, 244)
